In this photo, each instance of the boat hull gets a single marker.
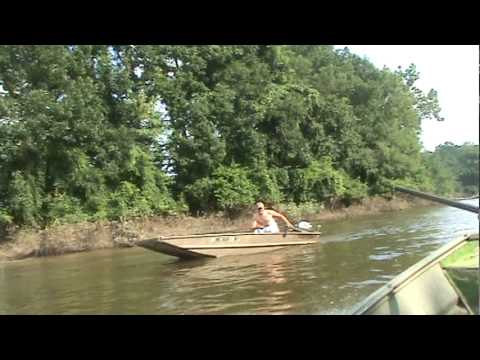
(218, 245)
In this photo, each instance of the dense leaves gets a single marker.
(107, 132)
(454, 169)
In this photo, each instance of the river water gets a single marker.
(355, 257)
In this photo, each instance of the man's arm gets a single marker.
(276, 214)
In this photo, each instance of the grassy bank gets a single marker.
(62, 239)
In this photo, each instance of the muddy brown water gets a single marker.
(355, 257)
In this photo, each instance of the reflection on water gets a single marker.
(355, 258)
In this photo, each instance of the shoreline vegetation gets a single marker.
(23, 243)
(95, 135)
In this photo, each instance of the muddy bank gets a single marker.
(63, 239)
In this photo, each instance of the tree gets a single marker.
(92, 132)
(76, 125)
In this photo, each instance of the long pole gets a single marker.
(455, 204)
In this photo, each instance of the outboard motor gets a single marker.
(305, 225)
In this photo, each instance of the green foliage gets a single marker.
(319, 181)
(76, 126)
(443, 180)
(426, 104)
(24, 201)
(453, 169)
(61, 208)
(355, 190)
(5, 218)
(92, 132)
(228, 189)
(297, 212)
(199, 196)
(233, 188)
(268, 186)
(128, 200)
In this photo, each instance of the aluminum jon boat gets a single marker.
(216, 245)
(444, 283)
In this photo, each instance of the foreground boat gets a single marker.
(446, 282)
(216, 245)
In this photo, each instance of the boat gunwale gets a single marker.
(196, 236)
(380, 296)
(242, 246)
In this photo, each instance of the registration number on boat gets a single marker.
(224, 239)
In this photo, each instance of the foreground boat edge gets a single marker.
(388, 300)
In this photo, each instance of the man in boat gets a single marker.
(264, 221)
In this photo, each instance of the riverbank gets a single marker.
(63, 239)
